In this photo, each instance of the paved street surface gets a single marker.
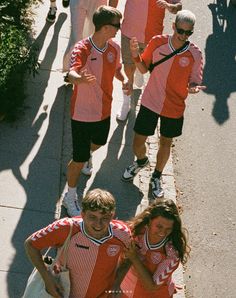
(205, 162)
(34, 152)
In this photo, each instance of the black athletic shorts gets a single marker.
(147, 120)
(85, 133)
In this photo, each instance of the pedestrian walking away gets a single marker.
(94, 249)
(51, 16)
(81, 24)
(159, 246)
(164, 96)
(94, 63)
(150, 15)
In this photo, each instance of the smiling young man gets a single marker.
(95, 61)
(165, 93)
(94, 250)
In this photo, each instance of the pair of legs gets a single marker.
(74, 168)
(86, 137)
(129, 69)
(163, 153)
(81, 24)
(145, 126)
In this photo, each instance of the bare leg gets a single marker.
(163, 153)
(139, 146)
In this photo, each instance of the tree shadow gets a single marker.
(220, 68)
(18, 145)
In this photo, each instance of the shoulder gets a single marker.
(82, 46)
(195, 51)
(121, 231)
(171, 252)
(112, 43)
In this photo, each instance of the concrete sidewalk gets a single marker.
(35, 150)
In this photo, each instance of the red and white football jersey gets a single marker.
(92, 102)
(161, 260)
(92, 263)
(166, 90)
(143, 19)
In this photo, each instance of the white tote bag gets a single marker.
(35, 287)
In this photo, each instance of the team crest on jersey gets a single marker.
(113, 250)
(110, 57)
(155, 257)
(184, 61)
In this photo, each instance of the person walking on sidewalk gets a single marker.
(159, 246)
(150, 15)
(51, 16)
(165, 93)
(81, 24)
(94, 63)
(94, 249)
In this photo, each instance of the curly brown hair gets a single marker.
(167, 209)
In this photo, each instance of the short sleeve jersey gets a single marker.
(92, 263)
(161, 260)
(143, 19)
(92, 102)
(166, 90)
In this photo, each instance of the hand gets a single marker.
(195, 89)
(131, 251)
(127, 87)
(134, 47)
(53, 287)
(86, 77)
(162, 4)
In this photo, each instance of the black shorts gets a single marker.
(85, 133)
(147, 120)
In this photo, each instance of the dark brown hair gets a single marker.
(167, 209)
(105, 15)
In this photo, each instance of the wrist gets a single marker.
(137, 59)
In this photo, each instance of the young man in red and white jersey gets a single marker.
(95, 61)
(165, 93)
(94, 250)
(142, 19)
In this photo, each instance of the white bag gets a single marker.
(35, 287)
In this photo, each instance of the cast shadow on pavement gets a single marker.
(39, 192)
(220, 51)
(119, 155)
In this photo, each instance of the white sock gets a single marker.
(72, 192)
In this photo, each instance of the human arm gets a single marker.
(113, 3)
(82, 77)
(134, 49)
(195, 80)
(34, 254)
(171, 7)
(126, 84)
(121, 271)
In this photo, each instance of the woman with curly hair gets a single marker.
(159, 246)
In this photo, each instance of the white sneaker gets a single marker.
(138, 79)
(88, 167)
(71, 205)
(125, 108)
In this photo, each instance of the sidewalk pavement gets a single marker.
(35, 150)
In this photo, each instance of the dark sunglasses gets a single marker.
(115, 25)
(182, 31)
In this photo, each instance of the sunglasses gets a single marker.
(182, 31)
(117, 26)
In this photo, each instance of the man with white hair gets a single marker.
(165, 93)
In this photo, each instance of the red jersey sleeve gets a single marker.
(197, 70)
(54, 235)
(167, 266)
(121, 231)
(147, 55)
(79, 55)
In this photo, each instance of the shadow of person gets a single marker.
(119, 155)
(33, 144)
(220, 67)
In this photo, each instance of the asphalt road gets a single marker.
(205, 157)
